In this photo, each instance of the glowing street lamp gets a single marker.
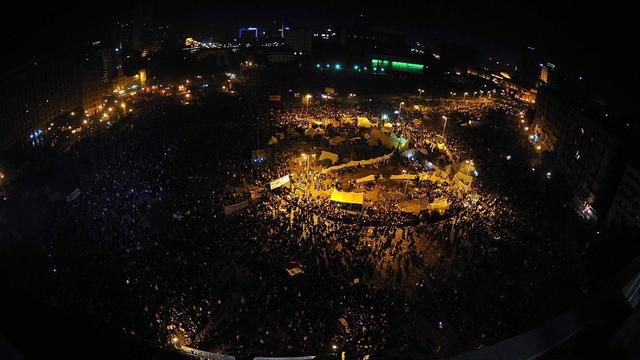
(445, 124)
(469, 165)
(307, 158)
(308, 98)
(1, 181)
(406, 182)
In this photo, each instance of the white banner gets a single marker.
(279, 182)
(73, 195)
(230, 209)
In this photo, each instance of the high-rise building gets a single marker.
(33, 95)
(529, 69)
(625, 208)
(248, 35)
(298, 40)
(585, 147)
(92, 87)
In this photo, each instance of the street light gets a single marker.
(406, 182)
(445, 124)
(400, 108)
(308, 97)
(307, 158)
(420, 91)
(469, 165)
(1, 182)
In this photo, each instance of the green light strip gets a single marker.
(397, 66)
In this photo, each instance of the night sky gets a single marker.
(597, 42)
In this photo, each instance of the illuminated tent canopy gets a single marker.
(439, 204)
(463, 178)
(347, 198)
(346, 120)
(364, 122)
(404, 177)
(336, 140)
(417, 205)
(329, 155)
(398, 142)
(366, 179)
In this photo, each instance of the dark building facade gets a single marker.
(35, 94)
(587, 153)
(625, 209)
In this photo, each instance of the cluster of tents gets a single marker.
(415, 206)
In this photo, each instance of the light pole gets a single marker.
(2, 182)
(445, 124)
(406, 182)
(308, 98)
(400, 109)
(469, 164)
(307, 158)
(420, 91)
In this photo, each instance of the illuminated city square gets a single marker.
(293, 191)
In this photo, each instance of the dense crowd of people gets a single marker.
(291, 274)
